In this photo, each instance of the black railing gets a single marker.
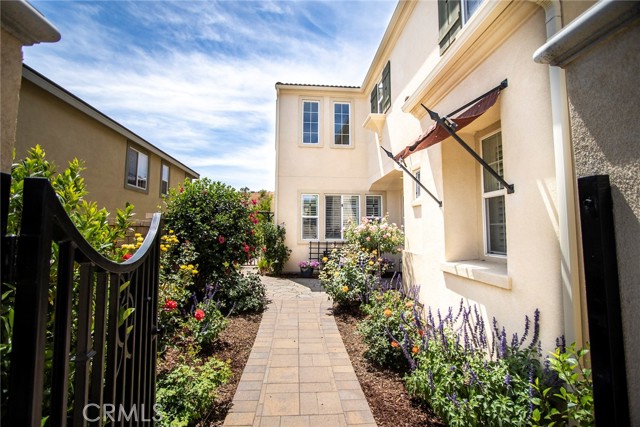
(319, 250)
(111, 342)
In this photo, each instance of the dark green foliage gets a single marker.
(186, 393)
(241, 293)
(274, 251)
(218, 221)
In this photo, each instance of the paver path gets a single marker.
(298, 373)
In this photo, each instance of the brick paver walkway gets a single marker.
(298, 373)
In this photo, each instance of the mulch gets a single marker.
(388, 399)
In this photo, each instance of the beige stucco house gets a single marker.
(473, 238)
(121, 167)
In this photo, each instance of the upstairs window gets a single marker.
(164, 179)
(416, 186)
(452, 15)
(340, 211)
(381, 94)
(341, 123)
(373, 207)
(310, 122)
(137, 169)
(493, 197)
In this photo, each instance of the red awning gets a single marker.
(437, 133)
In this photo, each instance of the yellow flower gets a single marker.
(190, 267)
(163, 248)
(409, 304)
(336, 274)
(375, 251)
(325, 259)
(194, 271)
(371, 263)
(139, 239)
(387, 312)
(345, 289)
(170, 231)
(138, 245)
(183, 267)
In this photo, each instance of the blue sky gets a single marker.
(196, 78)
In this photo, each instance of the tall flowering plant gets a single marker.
(376, 234)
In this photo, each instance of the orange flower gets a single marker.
(387, 312)
(421, 332)
(395, 344)
(415, 349)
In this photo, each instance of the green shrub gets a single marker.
(242, 293)
(274, 252)
(389, 315)
(187, 393)
(570, 400)
(470, 379)
(205, 323)
(218, 220)
(375, 234)
(349, 274)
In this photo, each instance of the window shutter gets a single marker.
(449, 21)
(332, 228)
(386, 87)
(374, 99)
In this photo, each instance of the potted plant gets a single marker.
(306, 267)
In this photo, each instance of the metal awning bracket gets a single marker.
(446, 124)
(404, 168)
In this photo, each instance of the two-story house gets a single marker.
(494, 220)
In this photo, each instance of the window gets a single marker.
(341, 127)
(310, 216)
(339, 212)
(373, 207)
(164, 179)
(452, 15)
(493, 195)
(381, 94)
(310, 122)
(137, 168)
(416, 185)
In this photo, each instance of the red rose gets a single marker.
(254, 202)
(170, 305)
(199, 315)
(221, 239)
(181, 189)
(253, 232)
(126, 257)
(245, 248)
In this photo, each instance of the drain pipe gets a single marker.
(566, 186)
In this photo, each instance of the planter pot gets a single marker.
(306, 272)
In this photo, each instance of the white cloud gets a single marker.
(197, 79)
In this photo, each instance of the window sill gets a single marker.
(490, 273)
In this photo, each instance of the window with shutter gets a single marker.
(374, 99)
(310, 216)
(452, 15)
(386, 87)
(339, 212)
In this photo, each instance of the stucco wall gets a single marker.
(323, 169)
(65, 132)
(603, 95)
(10, 75)
(453, 234)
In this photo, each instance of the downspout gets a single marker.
(566, 187)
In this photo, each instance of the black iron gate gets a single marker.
(102, 363)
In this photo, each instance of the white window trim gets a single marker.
(342, 196)
(487, 195)
(310, 144)
(303, 216)
(333, 141)
(168, 181)
(378, 196)
(126, 178)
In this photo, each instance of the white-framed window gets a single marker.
(311, 122)
(342, 123)
(164, 179)
(493, 197)
(137, 168)
(340, 210)
(452, 15)
(373, 206)
(381, 93)
(310, 212)
(416, 186)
